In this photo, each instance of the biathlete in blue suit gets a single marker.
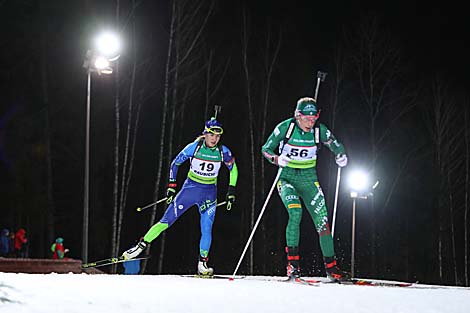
(199, 188)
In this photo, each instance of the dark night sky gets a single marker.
(434, 41)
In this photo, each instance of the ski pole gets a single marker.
(338, 178)
(257, 222)
(139, 209)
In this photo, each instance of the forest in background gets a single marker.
(407, 124)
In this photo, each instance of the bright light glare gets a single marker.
(101, 63)
(108, 44)
(358, 180)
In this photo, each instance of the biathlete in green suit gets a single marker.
(298, 179)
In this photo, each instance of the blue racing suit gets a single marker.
(199, 188)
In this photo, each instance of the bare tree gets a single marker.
(335, 99)
(114, 221)
(270, 58)
(130, 140)
(248, 78)
(50, 218)
(163, 126)
(378, 66)
(441, 119)
(177, 11)
(467, 186)
(213, 75)
(123, 164)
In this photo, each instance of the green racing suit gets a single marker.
(298, 179)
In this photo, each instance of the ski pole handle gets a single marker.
(320, 78)
(140, 209)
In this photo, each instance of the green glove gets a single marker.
(230, 197)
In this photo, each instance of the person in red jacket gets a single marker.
(58, 250)
(20, 243)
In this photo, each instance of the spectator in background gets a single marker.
(58, 250)
(11, 245)
(21, 243)
(4, 243)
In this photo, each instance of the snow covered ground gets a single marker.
(38, 293)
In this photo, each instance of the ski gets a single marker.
(353, 281)
(213, 276)
(323, 281)
(317, 282)
(369, 282)
(110, 261)
(302, 281)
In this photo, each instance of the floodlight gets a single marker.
(358, 180)
(101, 63)
(108, 44)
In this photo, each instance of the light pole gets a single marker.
(353, 231)
(354, 196)
(98, 60)
(360, 189)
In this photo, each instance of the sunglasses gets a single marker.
(309, 118)
(216, 130)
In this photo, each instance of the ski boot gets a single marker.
(293, 268)
(333, 272)
(202, 269)
(135, 251)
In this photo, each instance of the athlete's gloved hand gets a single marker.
(282, 160)
(230, 197)
(170, 191)
(341, 160)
